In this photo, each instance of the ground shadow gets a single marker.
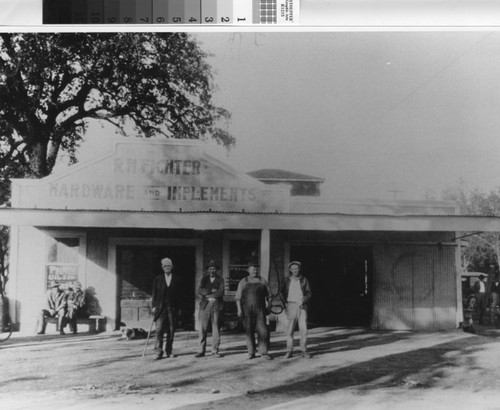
(327, 342)
(80, 337)
(427, 365)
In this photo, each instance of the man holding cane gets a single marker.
(164, 306)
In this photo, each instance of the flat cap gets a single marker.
(253, 262)
(213, 264)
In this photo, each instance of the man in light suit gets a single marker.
(164, 306)
(296, 292)
(56, 307)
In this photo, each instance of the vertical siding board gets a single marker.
(383, 298)
(402, 270)
(415, 287)
(423, 284)
(393, 300)
(445, 299)
(401, 267)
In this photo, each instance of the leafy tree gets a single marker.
(483, 251)
(12, 170)
(53, 84)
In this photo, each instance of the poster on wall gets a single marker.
(65, 275)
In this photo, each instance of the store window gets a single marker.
(63, 263)
(240, 252)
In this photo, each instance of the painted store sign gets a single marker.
(154, 176)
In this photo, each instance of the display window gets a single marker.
(240, 251)
(64, 261)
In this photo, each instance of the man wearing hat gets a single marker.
(252, 302)
(481, 292)
(211, 291)
(57, 304)
(296, 293)
(76, 301)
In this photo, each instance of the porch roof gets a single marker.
(246, 220)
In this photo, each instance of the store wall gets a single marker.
(414, 285)
(26, 286)
(413, 277)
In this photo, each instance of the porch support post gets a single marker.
(458, 268)
(265, 253)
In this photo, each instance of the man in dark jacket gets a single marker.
(481, 292)
(76, 301)
(164, 306)
(296, 293)
(211, 291)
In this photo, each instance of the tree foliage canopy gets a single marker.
(51, 84)
(483, 251)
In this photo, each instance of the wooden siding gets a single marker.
(415, 287)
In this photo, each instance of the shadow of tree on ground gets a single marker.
(420, 368)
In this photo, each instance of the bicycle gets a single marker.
(6, 329)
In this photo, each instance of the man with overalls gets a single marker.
(252, 302)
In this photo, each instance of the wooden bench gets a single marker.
(96, 323)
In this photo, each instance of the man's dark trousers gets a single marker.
(165, 323)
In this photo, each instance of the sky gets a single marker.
(382, 115)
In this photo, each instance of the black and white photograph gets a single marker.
(253, 219)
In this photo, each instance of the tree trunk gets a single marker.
(38, 159)
(4, 312)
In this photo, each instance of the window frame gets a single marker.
(82, 252)
(227, 239)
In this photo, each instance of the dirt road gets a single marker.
(350, 369)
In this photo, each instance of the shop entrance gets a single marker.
(137, 266)
(341, 283)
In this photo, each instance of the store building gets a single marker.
(107, 224)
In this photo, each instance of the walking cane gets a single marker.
(147, 339)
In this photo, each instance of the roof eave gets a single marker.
(245, 220)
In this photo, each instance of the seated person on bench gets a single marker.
(76, 301)
(57, 306)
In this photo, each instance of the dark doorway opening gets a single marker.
(136, 268)
(341, 283)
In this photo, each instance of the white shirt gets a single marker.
(212, 280)
(482, 288)
(168, 279)
(295, 292)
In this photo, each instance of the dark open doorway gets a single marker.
(341, 282)
(136, 268)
